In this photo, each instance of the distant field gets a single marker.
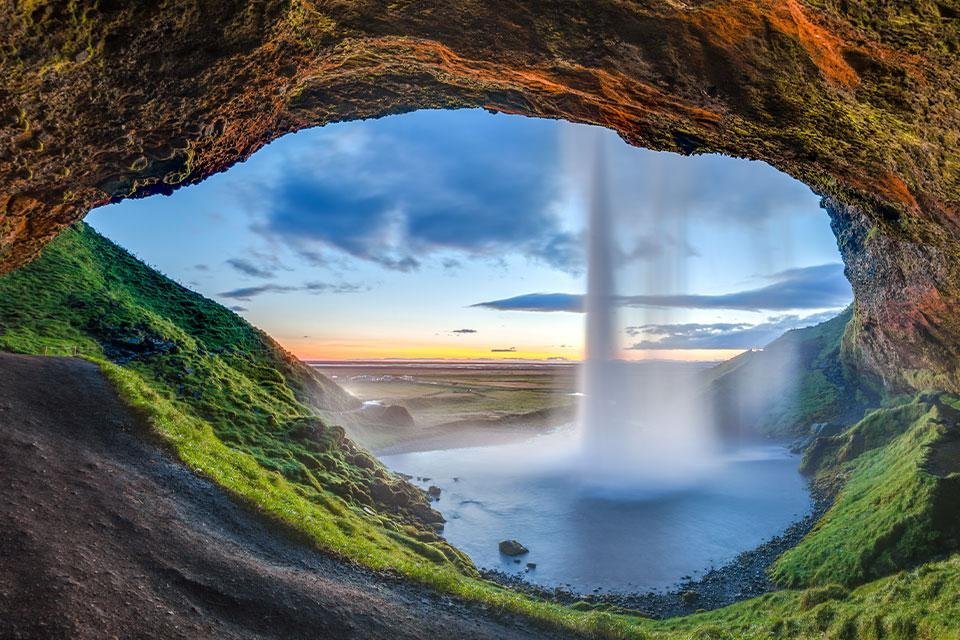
(454, 404)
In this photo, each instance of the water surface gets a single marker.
(620, 538)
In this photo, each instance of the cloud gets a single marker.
(248, 268)
(246, 293)
(720, 335)
(463, 331)
(506, 350)
(419, 185)
(818, 287)
(237, 308)
(647, 247)
(201, 267)
(537, 302)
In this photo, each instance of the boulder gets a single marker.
(512, 548)
(825, 429)
(397, 416)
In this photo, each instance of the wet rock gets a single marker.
(433, 492)
(825, 429)
(512, 548)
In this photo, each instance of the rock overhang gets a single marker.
(106, 100)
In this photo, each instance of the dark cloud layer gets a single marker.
(818, 287)
(401, 191)
(405, 192)
(720, 335)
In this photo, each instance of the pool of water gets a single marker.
(591, 538)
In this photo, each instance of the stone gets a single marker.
(826, 429)
(512, 548)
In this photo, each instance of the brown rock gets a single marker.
(863, 106)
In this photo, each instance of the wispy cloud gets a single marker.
(819, 287)
(506, 350)
(247, 293)
(720, 335)
(572, 302)
(463, 331)
(248, 268)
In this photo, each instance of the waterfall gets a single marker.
(643, 426)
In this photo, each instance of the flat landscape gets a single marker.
(417, 406)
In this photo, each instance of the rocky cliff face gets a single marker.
(104, 100)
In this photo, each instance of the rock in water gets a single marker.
(512, 548)
(433, 492)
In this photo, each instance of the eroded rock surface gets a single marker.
(106, 100)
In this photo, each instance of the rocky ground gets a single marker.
(103, 535)
(745, 577)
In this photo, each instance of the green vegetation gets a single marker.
(797, 380)
(887, 516)
(237, 409)
(89, 296)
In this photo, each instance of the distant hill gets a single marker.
(797, 380)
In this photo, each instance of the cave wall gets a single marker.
(111, 99)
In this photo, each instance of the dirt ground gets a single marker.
(103, 535)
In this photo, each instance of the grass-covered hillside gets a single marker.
(797, 380)
(900, 499)
(236, 408)
(88, 296)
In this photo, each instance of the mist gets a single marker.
(648, 427)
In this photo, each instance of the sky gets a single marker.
(460, 234)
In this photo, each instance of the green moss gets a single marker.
(886, 516)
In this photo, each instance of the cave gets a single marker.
(106, 101)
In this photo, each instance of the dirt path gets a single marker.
(102, 535)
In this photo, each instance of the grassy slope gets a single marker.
(890, 512)
(86, 293)
(797, 380)
(222, 399)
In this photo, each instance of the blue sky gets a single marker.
(460, 234)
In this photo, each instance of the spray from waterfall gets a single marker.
(643, 425)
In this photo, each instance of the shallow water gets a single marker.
(626, 538)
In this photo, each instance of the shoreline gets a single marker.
(742, 578)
